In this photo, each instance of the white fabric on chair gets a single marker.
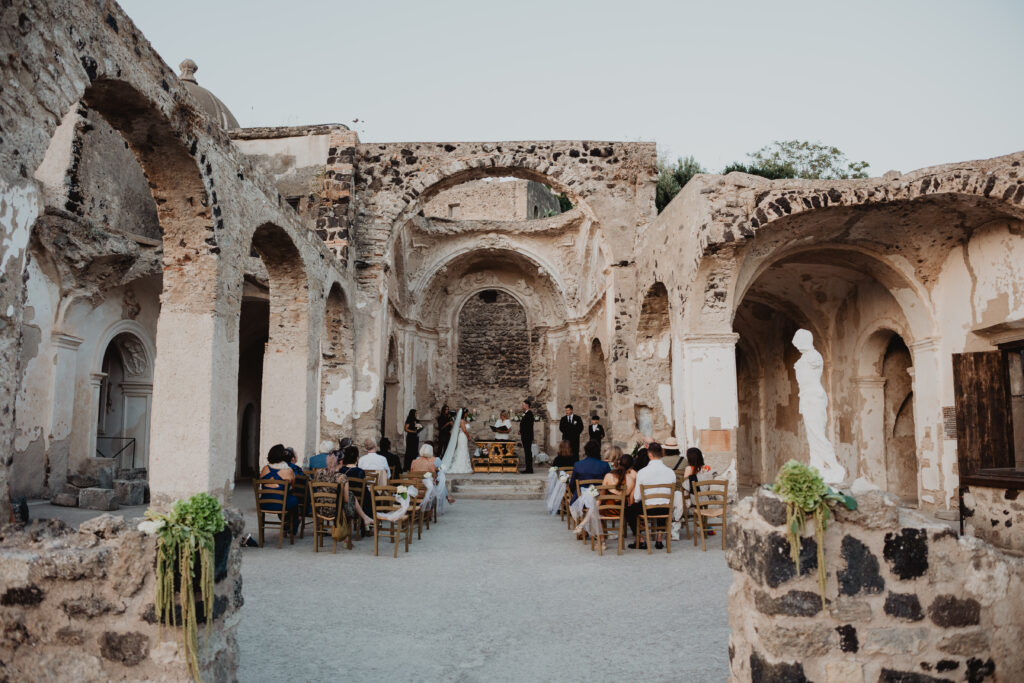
(555, 492)
(403, 506)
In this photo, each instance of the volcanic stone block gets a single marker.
(27, 596)
(771, 508)
(793, 603)
(83, 481)
(907, 553)
(783, 672)
(98, 499)
(951, 611)
(847, 638)
(861, 571)
(65, 500)
(891, 676)
(127, 648)
(766, 558)
(904, 606)
(131, 491)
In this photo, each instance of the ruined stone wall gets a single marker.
(499, 200)
(79, 605)
(995, 516)
(906, 600)
(493, 366)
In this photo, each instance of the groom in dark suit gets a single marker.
(526, 436)
(571, 427)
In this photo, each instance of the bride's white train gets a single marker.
(456, 457)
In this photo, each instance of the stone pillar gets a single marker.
(195, 395)
(871, 431)
(289, 406)
(334, 215)
(938, 478)
(709, 388)
(63, 411)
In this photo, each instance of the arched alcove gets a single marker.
(652, 376)
(123, 399)
(597, 384)
(493, 358)
(336, 370)
(900, 444)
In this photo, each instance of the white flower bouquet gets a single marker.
(403, 491)
(563, 477)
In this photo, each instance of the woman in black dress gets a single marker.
(412, 439)
(445, 422)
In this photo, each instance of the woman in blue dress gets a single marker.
(277, 468)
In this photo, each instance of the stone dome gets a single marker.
(209, 102)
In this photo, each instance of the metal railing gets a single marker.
(127, 441)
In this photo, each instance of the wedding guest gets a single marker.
(571, 426)
(654, 473)
(445, 424)
(622, 479)
(412, 437)
(293, 461)
(277, 469)
(564, 457)
(372, 460)
(590, 467)
(426, 462)
(394, 462)
(671, 450)
(332, 473)
(526, 436)
(694, 467)
(641, 459)
(503, 427)
(350, 468)
(595, 431)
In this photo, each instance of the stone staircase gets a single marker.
(498, 486)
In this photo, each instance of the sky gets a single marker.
(901, 84)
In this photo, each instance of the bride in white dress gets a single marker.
(456, 457)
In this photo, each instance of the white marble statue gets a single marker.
(814, 408)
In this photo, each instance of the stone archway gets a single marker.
(652, 377)
(597, 385)
(900, 444)
(122, 393)
(336, 370)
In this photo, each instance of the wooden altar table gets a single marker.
(497, 456)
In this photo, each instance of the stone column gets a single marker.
(63, 411)
(289, 406)
(710, 394)
(195, 396)
(871, 431)
(937, 469)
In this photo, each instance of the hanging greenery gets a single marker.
(805, 493)
(184, 534)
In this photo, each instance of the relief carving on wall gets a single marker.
(133, 355)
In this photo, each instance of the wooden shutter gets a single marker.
(984, 427)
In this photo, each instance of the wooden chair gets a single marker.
(580, 485)
(328, 512)
(357, 487)
(653, 496)
(383, 502)
(711, 499)
(301, 492)
(373, 477)
(563, 507)
(416, 511)
(611, 511)
(271, 499)
(685, 519)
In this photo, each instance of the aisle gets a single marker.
(498, 591)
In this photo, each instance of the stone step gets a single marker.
(497, 486)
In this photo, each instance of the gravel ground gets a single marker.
(498, 591)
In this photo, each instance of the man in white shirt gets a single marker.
(655, 473)
(372, 460)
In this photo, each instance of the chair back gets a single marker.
(356, 487)
(584, 483)
(376, 477)
(300, 491)
(711, 496)
(610, 505)
(271, 495)
(654, 496)
(383, 500)
(324, 495)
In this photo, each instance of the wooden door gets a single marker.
(984, 426)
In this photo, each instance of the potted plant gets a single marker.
(805, 493)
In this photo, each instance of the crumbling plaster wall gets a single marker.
(500, 200)
(210, 198)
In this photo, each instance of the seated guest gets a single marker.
(426, 462)
(654, 473)
(277, 469)
(672, 456)
(318, 461)
(565, 457)
(641, 458)
(623, 476)
(293, 461)
(372, 460)
(590, 467)
(394, 462)
(332, 473)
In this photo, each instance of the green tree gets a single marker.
(563, 202)
(673, 177)
(801, 159)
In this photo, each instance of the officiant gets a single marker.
(503, 427)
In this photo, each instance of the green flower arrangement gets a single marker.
(805, 493)
(182, 534)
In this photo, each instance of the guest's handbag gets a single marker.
(342, 530)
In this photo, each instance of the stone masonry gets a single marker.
(906, 599)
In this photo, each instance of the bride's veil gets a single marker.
(449, 453)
